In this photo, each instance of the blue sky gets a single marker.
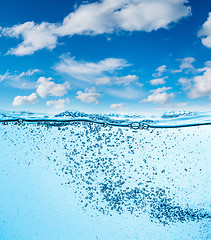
(106, 56)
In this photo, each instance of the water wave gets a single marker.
(135, 121)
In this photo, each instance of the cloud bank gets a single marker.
(106, 16)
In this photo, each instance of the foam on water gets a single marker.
(123, 177)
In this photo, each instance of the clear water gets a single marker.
(105, 180)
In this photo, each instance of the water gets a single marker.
(83, 176)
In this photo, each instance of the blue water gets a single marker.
(80, 176)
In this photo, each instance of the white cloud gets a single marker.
(29, 73)
(58, 104)
(205, 32)
(90, 71)
(186, 64)
(99, 73)
(159, 71)
(129, 15)
(21, 100)
(35, 37)
(106, 16)
(207, 65)
(47, 87)
(159, 96)
(4, 76)
(198, 86)
(20, 80)
(89, 96)
(126, 79)
(158, 81)
(186, 83)
(119, 107)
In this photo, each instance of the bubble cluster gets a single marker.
(122, 170)
(123, 179)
